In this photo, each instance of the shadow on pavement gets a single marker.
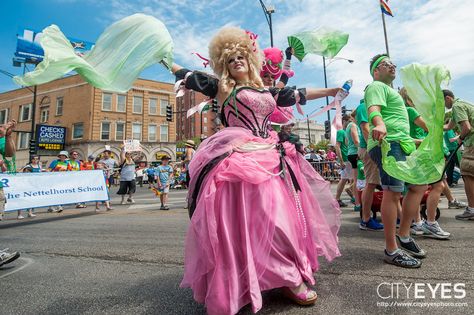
(46, 220)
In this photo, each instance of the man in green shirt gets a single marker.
(463, 116)
(353, 142)
(7, 149)
(341, 152)
(451, 140)
(388, 120)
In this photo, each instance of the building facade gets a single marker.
(95, 118)
(199, 125)
(315, 132)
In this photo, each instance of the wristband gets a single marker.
(374, 114)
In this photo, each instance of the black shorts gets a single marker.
(353, 160)
(151, 179)
(127, 187)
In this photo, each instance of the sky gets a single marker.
(423, 31)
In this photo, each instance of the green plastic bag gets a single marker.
(120, 54)
(323, 41)
(426, 164)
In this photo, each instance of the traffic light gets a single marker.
(327, 129)
(343, 109)
(32, 146)
(169, 113)
(215, 106)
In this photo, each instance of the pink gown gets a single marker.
(254, 227)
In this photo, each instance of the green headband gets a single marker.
(376, 64)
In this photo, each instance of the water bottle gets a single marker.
(347, 85)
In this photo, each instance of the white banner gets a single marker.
(132, 145)
(35, 190)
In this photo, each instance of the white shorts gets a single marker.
(346, 173)
(360, 184)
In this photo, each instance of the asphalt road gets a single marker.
(130, 261)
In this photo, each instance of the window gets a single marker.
(204, 129)
(120, 131)
(3, 116)
(137, 104)
(137, 132)
(107, 101)
(153, 106)
(163, 104)
(25, 112)
(77, 131)
(59, 106)
(44, 115)
(152, 133)
(105, 131)
(23, 140)
(205, 120)
(121, 103)
(164, 133)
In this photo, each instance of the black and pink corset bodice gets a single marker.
(250, 109)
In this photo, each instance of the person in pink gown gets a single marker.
(260, 214)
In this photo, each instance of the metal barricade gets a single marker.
(329, 170)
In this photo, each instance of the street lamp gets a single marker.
(268, 11)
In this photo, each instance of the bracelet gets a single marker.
(374, 114)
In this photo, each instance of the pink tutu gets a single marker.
(251, 231)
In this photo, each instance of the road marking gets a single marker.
(29, 261)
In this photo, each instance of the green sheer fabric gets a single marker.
(120, 54)
(426, 164)
(323, 41)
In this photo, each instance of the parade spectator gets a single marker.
(344, 165)
(76, 166)
(150, 172)
(388, 119)
(103, 167)
(88, 165)
(463, 117)
(33, 167)
(127, 177)
(60, 165)
(188, 156)
(353, 140)
(139, 175)
(110, 164)
(165, 174)
(371, 172)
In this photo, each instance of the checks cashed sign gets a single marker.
(35, 190)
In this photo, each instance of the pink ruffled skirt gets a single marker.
(251, 230)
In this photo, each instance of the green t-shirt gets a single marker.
(2, 152)
(463, 111)
(341, 138)
(361, 117)
(416, 132)
(393, 111)
(449, 135)
(351, 147)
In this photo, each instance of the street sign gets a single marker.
(50, 138)
(29, 50)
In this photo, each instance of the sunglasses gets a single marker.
(386, 64)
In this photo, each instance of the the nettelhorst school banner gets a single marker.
(35, 190)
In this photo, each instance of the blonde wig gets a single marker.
(228, 42)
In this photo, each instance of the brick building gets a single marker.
(198, 125)
(95, 118)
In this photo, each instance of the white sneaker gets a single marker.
(20, 217)
(131, 200)
(123, 202)
(417, 229)
(31, 215)
(434, 231)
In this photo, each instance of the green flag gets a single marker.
(118, 57)
(323, 41)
